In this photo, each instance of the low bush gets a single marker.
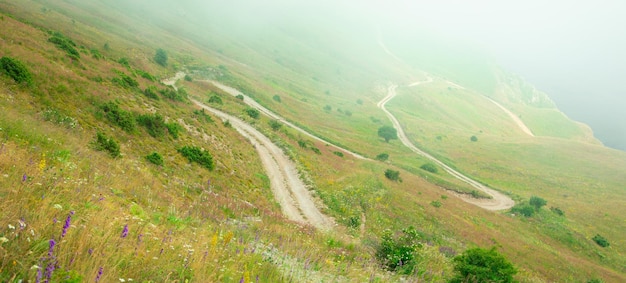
(399, 253)
(95, 53)
(430, 168)
(198, 155)
(275, 125)
(105, 143)
(154, 124)
(253, 113)
(601, 241)
(174, 129)
(15, 70)
(119, 117)
(216, 100)
(125, 81)
(481, 265)
(524, 209)
(65, 44)
(239, 96)
(188, 78)
(202, 115)
(382, 157)
(151, 92)
(393, 175)
(155, 158)
(338, 153)
(172, 94)
(474, 139)
(276, 98)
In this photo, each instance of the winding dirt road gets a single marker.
(289, 190)
(498, 201)
(254, 104)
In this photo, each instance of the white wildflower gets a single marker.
(3, 240)
(11, 227)
(58, 206)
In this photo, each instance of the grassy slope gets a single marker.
(562, 246)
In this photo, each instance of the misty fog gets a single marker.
(573, 51)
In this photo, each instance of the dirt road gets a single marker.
(289, 190)
(254, 104)
(499, 201)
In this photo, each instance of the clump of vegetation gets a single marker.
(173, 94)
(146, 75)
(275, 125)
(474, 139)
(430, 168)
(155, 158)
(382, 157)
(393, 175)
(95, 53)
(436, 203)
(276, 98)
(537, 202)
(105, 143)
(239, 96)
(125, 81)
(482, 265)
(557, 211)
(65, 44)
(151, 92)
(215, 99)
(161, 57)
(156, 125)
(388, 133)
(327, 108)
(253, 113)
(15, 70)
(119, 117)
(338, 153)
(198, 155)
(524, 209)
(601, 241)
(188, 78)
(55, 116)
(124, 62)
(399, 253)
(203, 115)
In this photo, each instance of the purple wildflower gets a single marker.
(242, 280)
(99, 274)
(68, 221)
(90, 251)
(139, 239)
(24, 177)
(257, 278)
(39, 275)
(125, 231)
(51, 249)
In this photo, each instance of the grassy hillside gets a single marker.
(126, 217)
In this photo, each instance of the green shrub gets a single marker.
(216, 100)
(203, 115)
(253, 113)
(276, 98)
(198, 155)
(188, 78)
(125, 81)
(388, 133)
(146, 75)
(557, 211)
(524, 209)
(104, 143)
(15, 70)
(155, 158)
(338, 153)
(161, 57)
(474, 139)
(151, 92)
(154, 124)
(398, 253)
(172, 94)
(275, 124)
(95, 53)
(239, 96)
(328, 108)
(119, 117)
(537, 202)
(124, 62)
(393, 175)
(382, 157)
(436, 203)
(65, 44)
(481, 265)
(430, 168)
(174, 129)
(601, 241)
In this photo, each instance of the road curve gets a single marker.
(498, 201)
(296, 202)
(252, 103)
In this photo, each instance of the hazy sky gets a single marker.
(573, 50)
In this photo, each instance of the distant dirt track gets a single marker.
(498, 201)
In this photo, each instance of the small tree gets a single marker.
(155, 158)
(601, 241)
(398, 253)
(387, 133)
(393, 175)
(275, 125)
(253, 113)
(537, 202)
(161, 57)
(382, 157)
(481, 265)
